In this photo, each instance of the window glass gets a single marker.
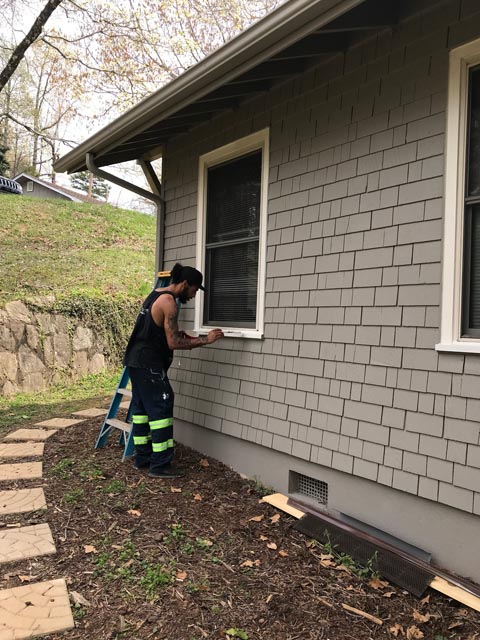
(233, 199)
(473, 180)
(471, 257)
(232, 241)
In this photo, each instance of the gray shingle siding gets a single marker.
(347, 375)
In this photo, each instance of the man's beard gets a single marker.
(183, 296)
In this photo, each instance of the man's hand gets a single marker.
(165, 311)
(214, 335)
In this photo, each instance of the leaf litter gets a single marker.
(204, 560)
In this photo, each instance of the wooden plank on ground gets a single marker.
(457, 593)
(280, 501)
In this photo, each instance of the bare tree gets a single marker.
(97, 58)
(27, 41)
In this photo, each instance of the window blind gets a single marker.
(472, 255)
(471, 272)
(232, 241)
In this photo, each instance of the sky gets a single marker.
(88, 123)
(82, 128)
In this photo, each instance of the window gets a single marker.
(471, 260)
(30, 185)
(460, 324)
(231, 236)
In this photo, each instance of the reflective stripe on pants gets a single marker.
(152, 409)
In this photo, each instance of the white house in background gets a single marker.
(323, 170)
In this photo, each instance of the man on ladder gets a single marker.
(148, 356)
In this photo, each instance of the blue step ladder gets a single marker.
(111, 421)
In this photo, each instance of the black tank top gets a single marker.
(148, 347)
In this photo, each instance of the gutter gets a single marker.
(283, 27)
(155, 196)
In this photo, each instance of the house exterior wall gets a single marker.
(40, 191)
(346, 386)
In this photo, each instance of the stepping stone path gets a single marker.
(43, 607)
(26, 542)
(23, 450)
(57, 423)
(20, 471)
(22, 501)
(90, 413)
(34, 610)
(31, 434)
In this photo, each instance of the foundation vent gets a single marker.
(311, 487)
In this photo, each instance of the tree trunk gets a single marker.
(29, 39)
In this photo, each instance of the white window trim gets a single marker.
(30, 185)
(254, 142)
(461, 59)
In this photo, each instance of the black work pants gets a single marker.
(152, 415)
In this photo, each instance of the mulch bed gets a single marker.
(201, 557)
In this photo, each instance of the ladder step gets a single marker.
(125, 392)
(119, 424)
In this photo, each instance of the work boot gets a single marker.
(141, 464)
(168, 471)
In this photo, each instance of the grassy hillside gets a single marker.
(58, 402)
(66, 249)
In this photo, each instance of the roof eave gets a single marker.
(282, 27)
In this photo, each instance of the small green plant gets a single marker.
(155, 577)
(125, 573)
(78, 612)
(90, 471)
(346, 560)
(237, 633)
(115, 486)
(328, 547)
(368, 570)
(128, 551)
(258, 487)
(62, 468)
(203, 544)
(74, 496)
(188, 548)
(201, 585)
(102, 559)
(176, 531)
(177, 535)
(215, 609)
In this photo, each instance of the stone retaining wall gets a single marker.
(38, 349)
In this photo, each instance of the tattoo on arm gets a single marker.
(178, 340)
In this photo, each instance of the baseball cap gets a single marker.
(193, 277)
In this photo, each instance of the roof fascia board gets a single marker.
(283, 27)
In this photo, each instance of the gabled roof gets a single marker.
(75, 196)
(298, 34)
